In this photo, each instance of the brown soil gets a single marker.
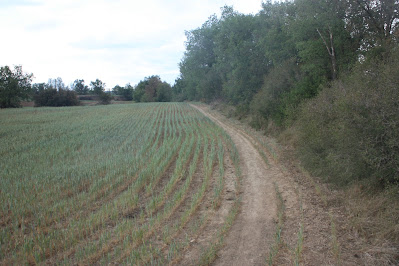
(325, 238)
(253, 231)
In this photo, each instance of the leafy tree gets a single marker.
(38, 87)
(79, 87)
(374, 22)
(164, 92)
(97, 87)
(14, 86)
(126, 92)
(198, 66)
(241, 62)
(324, 46)
(178, 90)
(117, 90)
(152, 89)
(139, 90)
(273, 32)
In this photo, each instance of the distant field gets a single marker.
(132, 183)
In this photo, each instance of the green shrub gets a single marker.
(54, 97)
(268, 102)
(105, 98)
(350, 131)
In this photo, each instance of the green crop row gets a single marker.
(98, 184)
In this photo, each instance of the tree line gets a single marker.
(284, 54)
(16, 86)
(324, 70)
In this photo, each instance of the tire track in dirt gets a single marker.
(308, 204)
(253, 231)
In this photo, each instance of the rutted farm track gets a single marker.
(286, 217)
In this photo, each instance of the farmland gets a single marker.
(133, 183)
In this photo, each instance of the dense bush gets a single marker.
(268, 104)
(53, 97)
(351, 130)
(105, 98)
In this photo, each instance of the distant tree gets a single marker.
(38, 87)
(126, 92)
(152, 89)
(164, 93)
(56, 83)
(14, 86)
(97, 87)
(139, 90)
(79, 87)
(178, 89)
(117, 90)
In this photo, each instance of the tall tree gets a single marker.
(79, 87)
(126, 92)
(14, 86)
(323, 43)
(97, 87)
(241, 62)
(198, 64)
(374, 22)
(152, 89)
(56, 83)
(38, 87)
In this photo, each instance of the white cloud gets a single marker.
(117, 41)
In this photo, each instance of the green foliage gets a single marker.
(271, 102)
(197, 67)
(178, 94)
(105, 98)
(53, 97)
(38, 87)
(241, 62)
(152, 89)
(79, 87)
(351, 131)
(14, 86)
(374, 23)
(126, 92)
(97, 87)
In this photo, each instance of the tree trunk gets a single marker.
(331, 52)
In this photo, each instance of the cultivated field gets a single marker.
(134, 184)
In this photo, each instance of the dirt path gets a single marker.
(313, 227)
(253, 231)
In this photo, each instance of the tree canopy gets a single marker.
(237, 57)
(15, 85)
(152, 89)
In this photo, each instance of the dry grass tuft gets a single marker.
(374, 216)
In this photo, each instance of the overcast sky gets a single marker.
(117, 41)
